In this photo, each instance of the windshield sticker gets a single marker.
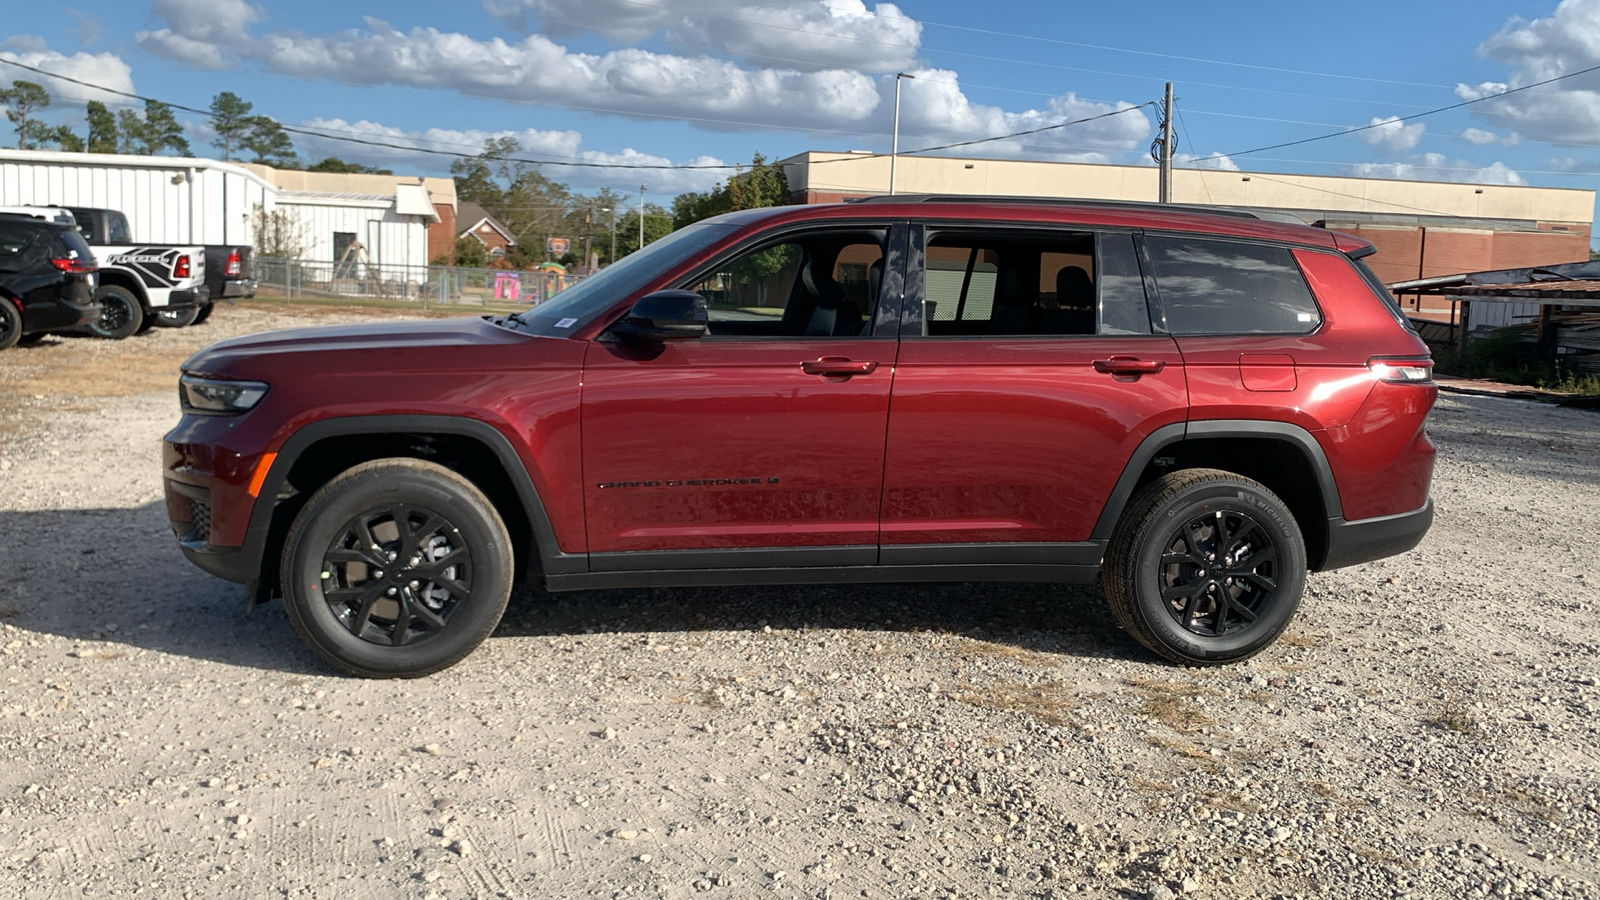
(566, 323)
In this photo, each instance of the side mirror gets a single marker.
(664, 316)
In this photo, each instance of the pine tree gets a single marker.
(231, 120)
(102, 128)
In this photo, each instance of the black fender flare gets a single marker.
(121, 279)
(552, 560)
(1168, 435)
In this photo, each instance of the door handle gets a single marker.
(1128, 365)
(838, 366)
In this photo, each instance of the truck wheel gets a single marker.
(203, 312)
(175, 318)
(1205, 567)
(10, 324)
(396, 568)
(120, 313)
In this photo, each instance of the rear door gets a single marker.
(761, 444)
(1028, 374)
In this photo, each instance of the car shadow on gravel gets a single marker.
(1046, 618)
(115, 579)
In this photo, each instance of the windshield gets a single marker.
(577, 305)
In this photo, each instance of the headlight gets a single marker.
(217, 397)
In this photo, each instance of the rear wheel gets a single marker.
(397, 568)
(1205, 567)
(175, 318)
(203, 312)
(10, 324)
(121, 314)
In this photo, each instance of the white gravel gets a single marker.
(1428, 728)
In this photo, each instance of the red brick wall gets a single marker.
(442, 234)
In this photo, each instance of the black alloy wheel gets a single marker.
(121, 314)
(1205, 567)
(396, 568)
(395, 575)
(1218, 572)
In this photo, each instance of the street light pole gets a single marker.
(894, 145)
(641, 216)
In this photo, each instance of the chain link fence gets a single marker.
(425, 287)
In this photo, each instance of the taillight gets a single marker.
(180, 269)
(233, 266)
(1402, 371)
(74, 265)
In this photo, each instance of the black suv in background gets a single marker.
(47, 279)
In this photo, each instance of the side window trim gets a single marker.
(1152, 291)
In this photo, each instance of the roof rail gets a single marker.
(1058, 201)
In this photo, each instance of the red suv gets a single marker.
(1198, 406)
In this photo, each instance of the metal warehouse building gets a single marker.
(1422, 229)
(401, 221)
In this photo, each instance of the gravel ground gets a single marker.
(1427, 728)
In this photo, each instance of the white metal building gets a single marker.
(206, 201)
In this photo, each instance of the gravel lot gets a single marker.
(1427, 728)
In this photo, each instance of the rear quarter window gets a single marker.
(14, 241)
(1230, 287)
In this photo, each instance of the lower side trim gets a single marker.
(1063, 574)
(1350, 543)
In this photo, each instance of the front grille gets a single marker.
(199, 521)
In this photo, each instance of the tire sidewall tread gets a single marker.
(348, 495)
(1131, 564)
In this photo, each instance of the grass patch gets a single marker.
(1050, 703)
(1172, 703)
(9, 612)
(705, 699)
(1296, 639)
(1454, 715)
(1182, 748)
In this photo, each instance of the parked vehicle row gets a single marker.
(136, 286)
(48, 279)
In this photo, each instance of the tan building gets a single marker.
(1421, 228)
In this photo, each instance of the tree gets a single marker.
(270, 144)
(231, 120)
(531, 206)
(20, 101)
(102, 128)
(335, 164)
(153, 132)
(279, 233)
(657, 225)
(765, 184)
(63, 137)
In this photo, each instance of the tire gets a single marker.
(28, 340)
(1162, 583)
(10, 324)
(121, 313)
(175, 318)
(203, 313)
(348, 609)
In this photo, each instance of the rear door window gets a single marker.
(119, 229)
(85, 224)
(14, 243)
(1230, 287)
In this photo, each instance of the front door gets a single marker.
(1030, 379)
(760, 444)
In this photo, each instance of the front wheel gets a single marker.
(176, 318)
(1205, 567)
(397, 568)
(120, 313)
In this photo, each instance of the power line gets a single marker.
(1391, 121)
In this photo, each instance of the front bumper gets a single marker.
(1365, 540)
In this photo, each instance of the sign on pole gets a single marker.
(557, 246)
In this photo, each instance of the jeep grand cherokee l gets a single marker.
(1198, 406)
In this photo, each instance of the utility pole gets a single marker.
(894, 140)
(641, 216)
(588, 222)
(1166, 146)
(613, 257)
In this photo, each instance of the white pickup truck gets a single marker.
(138, 282)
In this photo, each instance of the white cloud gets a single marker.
(1438, 167)
(804, 34)
(1218, 161)
(1390, 135)
(200, 30)
(560, 148)
(1483, 138)
(1536, 50)
(106, 69)
(711, 93)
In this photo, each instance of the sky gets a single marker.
(694, 84)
